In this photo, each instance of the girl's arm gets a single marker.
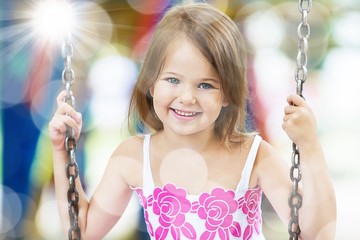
(318, 211)
(317, 214)
(97, 216)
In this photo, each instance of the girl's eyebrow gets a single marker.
(211, 79)
(215, 80)
(173, 73)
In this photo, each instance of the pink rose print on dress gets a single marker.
(250, 206)
(171, 205)
(144, 203)
(217, 209)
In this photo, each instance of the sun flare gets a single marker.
(53, 19)
(45, 24)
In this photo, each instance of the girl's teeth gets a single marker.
(186, 114)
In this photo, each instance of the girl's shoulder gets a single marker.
(128, 159)
(267, 154)
(268, 157)
(130, 147)
(266, 150)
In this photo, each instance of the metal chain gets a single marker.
(295, 198)
(71, 170)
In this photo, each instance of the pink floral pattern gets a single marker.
(219, 212)
(250, 205)
(171, 205)
(217, 209)
(144, 203)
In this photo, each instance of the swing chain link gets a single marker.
(295, 198)
(303, 32)
(71, 169)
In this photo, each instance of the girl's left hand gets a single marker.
(299, 122)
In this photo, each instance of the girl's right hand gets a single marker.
(65, 115)
(299, 122)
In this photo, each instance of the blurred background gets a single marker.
(110, 38)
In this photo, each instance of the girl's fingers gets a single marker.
(66, 109)
(286, 118)
(60, 123)
(70, 122)
(64, 117)
(60, 97)
(295, 99)
(289, 109)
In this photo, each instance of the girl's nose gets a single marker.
(187, 96)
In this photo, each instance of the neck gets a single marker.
(199, 142)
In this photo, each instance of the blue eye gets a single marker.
(205, 86)
(173, 80)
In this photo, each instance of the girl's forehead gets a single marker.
(183, 56)
(183, 49)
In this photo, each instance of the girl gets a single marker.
(198, 173)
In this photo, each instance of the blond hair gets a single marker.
(219, 40)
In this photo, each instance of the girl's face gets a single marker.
(187, 96)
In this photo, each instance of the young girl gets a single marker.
(198, 173)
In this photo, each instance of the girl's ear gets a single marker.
(225, 103)
(151, 91)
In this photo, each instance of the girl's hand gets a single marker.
(299, 122)
(65, 115)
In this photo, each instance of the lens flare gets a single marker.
(53, 19)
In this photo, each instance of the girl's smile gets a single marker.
(185, 114)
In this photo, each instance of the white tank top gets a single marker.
(171, 213)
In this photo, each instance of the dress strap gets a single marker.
(148, 181)
(246, 172)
